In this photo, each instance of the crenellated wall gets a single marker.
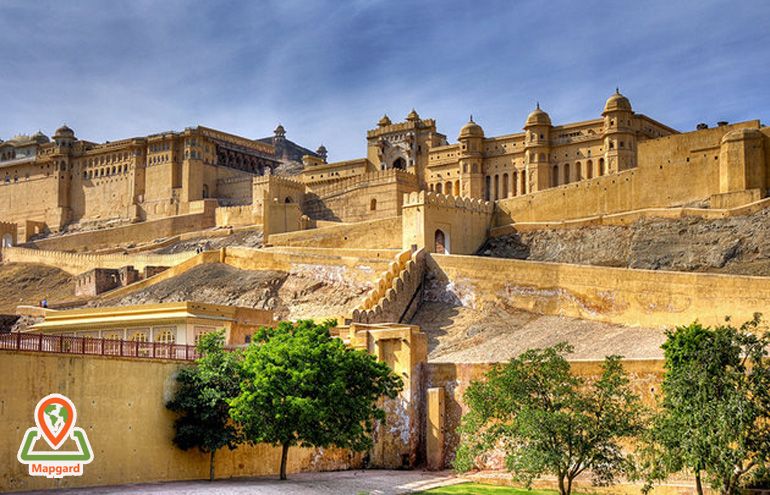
(77, 263)
(364, 197)
(395, 296)
(373, 234)
(445, 224)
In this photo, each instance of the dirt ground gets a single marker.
(496, 333)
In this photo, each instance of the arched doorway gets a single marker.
(400, 163)
(7, 240)
(205, 191)
(441, 242)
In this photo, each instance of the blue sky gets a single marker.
(329, 70)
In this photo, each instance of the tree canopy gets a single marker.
(714, 417)
(547, 420)
(304, 387)
(202, 399)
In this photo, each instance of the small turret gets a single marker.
(384, 121)
(280, 133)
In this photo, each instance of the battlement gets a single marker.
(447, 201)
(278, 180)
(401, 126)
(76, 263)
(393, 297)
(369, 178)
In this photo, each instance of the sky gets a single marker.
(328, 70)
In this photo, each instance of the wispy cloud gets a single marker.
(328, 69)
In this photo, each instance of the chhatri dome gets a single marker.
(64, 131)
(471, 129)
(617, 102)
(384, 121)
(412, 117)
(538, 117)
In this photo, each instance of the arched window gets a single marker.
(457, 188)
(287, 200)
(487, 187)
(138, 336)
(589, 169)
(505, 186)
(523, 188)
(448, 188)
(602, 170)
(578, 171)
(555, 176)
(441, 244)
(439, 188)
(205, 191)
(515, 187)
(566, 173)
(7, 240)
(400, 163)
(497, 187)
(373, 204)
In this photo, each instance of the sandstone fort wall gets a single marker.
(76, 263)
(372, 234)
(672, 171)
(129, 428)
(615, 295)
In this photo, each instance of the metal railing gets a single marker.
(66, 344)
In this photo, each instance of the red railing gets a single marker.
(65, 344)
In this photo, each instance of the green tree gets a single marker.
(202, 399)
(549, 421)
(714, 417)
(304, 387)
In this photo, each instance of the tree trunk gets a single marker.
(284, 455)
(562, 488)
(698, 484)
(211, 465)
(569, 486)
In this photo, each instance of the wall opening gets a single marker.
(373, 204)
(399, 163)
(441, 242)
(7, 240)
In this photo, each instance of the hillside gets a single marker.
(22, 283)
(732, 245)
(296, 295)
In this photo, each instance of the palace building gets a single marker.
(66, 180)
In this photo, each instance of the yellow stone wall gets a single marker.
(372, 234)
(650, 298)
(672, 171)
(120, 405)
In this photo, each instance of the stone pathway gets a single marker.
(368, 482)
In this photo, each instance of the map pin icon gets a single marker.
(54, 416)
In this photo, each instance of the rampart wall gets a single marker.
(371, 234)
(203, 217)
(369, 196)
(76, 263)
(630, 217)
(396, 294)
(616, 295)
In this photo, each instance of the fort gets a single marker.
(162, 238)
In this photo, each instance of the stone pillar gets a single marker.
(434, 431)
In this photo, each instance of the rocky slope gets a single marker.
(22, 283)
(731, 245)
(289, 295)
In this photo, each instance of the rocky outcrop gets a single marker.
(731, 245)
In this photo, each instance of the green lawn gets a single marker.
(479, 489)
